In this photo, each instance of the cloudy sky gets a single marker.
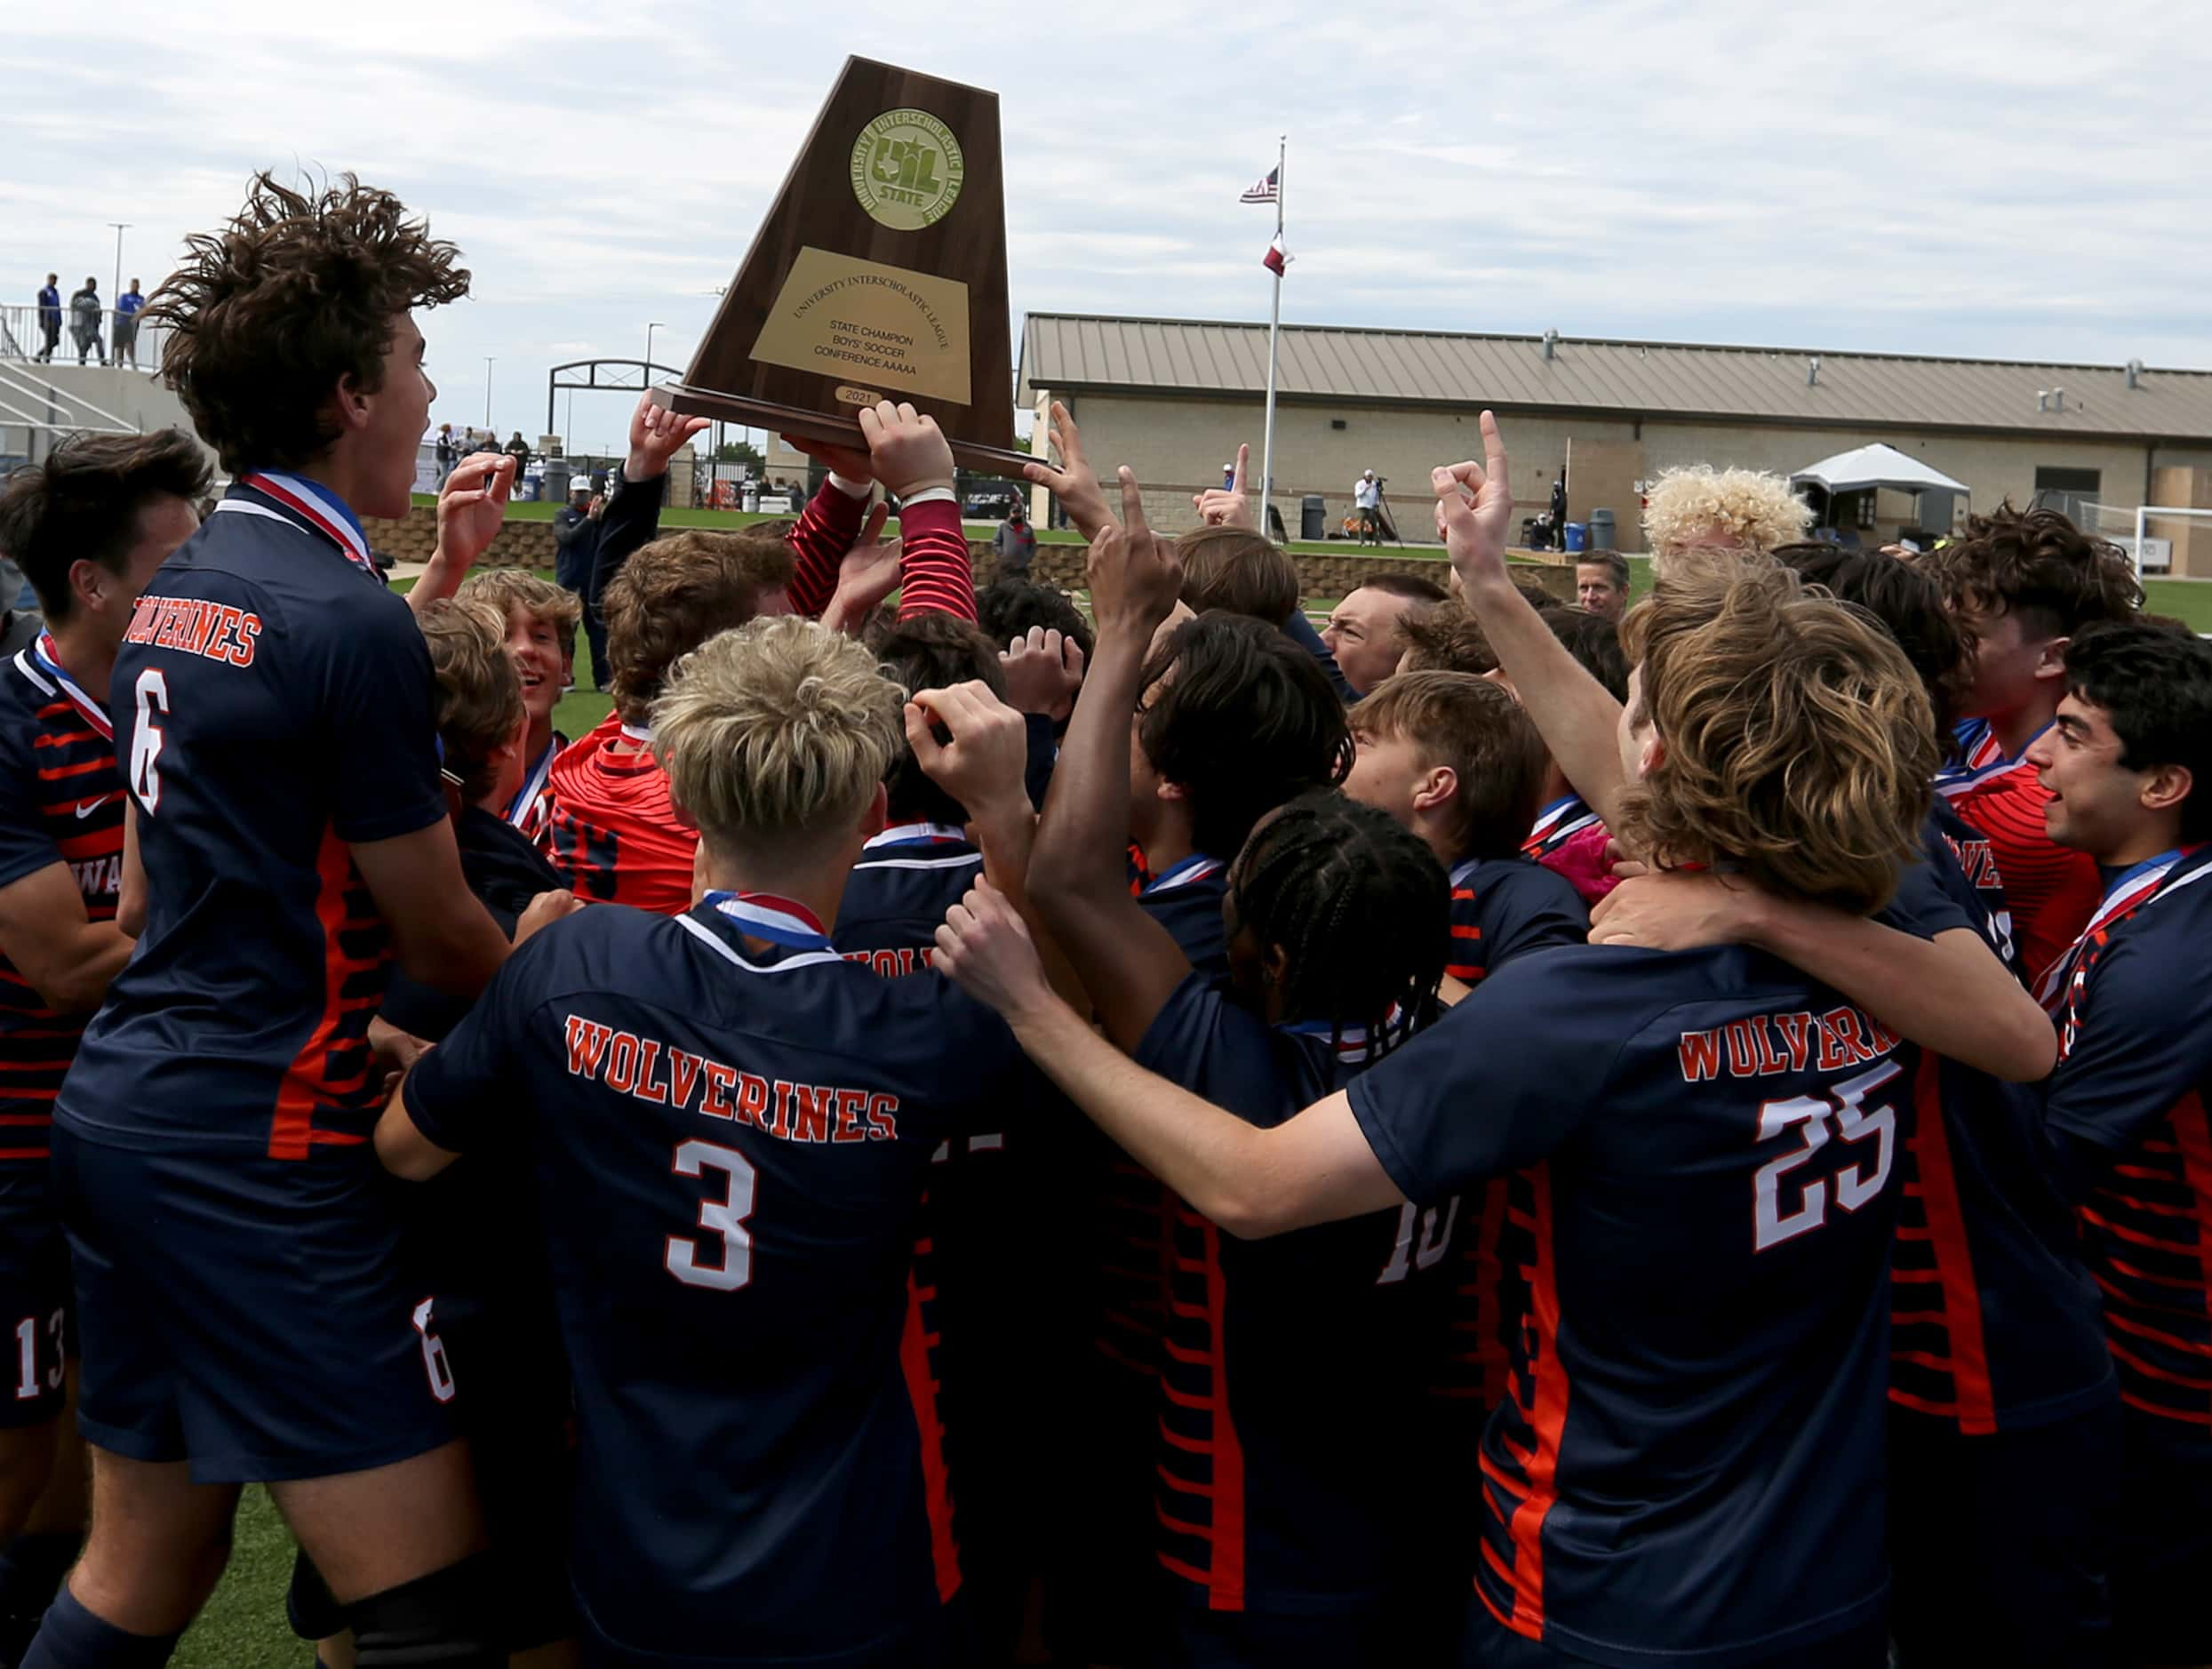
(2020, 180)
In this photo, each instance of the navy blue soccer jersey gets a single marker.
(1501, 907)
(747, 1129)
(1185, 898)
(1994, 1319)
(895, 899)
(2129, 1097)
(1274, 1495)
(61, 802)
(274, 706)
(1688, 1463)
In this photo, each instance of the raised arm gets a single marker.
(1575, 714)
(829, 526)
(1948, 994)
(1071, 480)
(913, 460)
(1315, 1168)
(631, 520)
(472, 504)
(1078, 875)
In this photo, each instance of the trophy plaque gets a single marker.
(880, 274)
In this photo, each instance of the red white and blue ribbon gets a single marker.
(47, 659)
(917, 834)
(519, 810)
(1197, 868)
(1565, 816)
(2133, 889)
(765, 916)
(1985, 760)
(317, 505)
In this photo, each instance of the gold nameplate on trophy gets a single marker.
(880, 273)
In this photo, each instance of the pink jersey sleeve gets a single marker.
(934, 571)
(1583, 859)
(825, 532)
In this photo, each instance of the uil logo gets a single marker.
(906, 170)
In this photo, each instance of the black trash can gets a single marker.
(1314, 516)
(1601, 531)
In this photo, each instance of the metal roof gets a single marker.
(1070, 352)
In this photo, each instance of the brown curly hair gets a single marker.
(1444, 637)
(266, 316)
(1797, 743)
(2037, 565)
(676, 593)
(479, 695)
(1234, 568)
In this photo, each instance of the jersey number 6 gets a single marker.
(152, 695)
(685, 1259)
(1854, 1185)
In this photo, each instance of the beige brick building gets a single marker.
(1172, 399)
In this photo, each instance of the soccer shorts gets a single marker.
(2000, 1544)
(35, 1299)
(247, 1315)
(2164, 1546)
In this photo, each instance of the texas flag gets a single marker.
(1276, 258)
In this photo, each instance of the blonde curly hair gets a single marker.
(1797, 744)
(776, 734)
(1739, 510)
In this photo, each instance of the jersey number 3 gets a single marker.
(1853, 1185)
(730, 1266)
(147, 737)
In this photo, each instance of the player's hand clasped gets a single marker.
(1044, 670)
(987, 750)
(985, 949)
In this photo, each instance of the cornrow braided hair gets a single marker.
(1360, 908)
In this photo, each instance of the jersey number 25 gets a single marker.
(1853, 1185)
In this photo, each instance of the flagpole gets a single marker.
(1274, 330)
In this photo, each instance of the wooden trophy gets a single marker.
(880, 274)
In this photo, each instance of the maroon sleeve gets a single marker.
(825, 532)
(934, 571)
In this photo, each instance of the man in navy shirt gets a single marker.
(244, 1318)
(89, 525)
(747, 1118)
(49, 317)
(1689, 1458)
(2126, 764)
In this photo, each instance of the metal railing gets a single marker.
(36, 333)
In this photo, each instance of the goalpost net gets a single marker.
(2154, 535)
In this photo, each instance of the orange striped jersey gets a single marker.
(1995, 1322)
(1273, 1494)
(934, 570)
(61, 802)
(275, 707)
(2129, 1098)
(2051, 889)
(613, 836)
(1500, 909)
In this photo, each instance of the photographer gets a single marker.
(1367, 497)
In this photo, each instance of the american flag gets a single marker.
(1264, 191)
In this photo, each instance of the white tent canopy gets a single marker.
(1877, 465)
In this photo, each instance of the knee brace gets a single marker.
(440, 1621)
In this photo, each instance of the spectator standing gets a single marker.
(85, 311)
(50, 317)
(446, 451)
(576, 530)
(518, 449)
(1367, 498)
(128, 306)
(1015, 542)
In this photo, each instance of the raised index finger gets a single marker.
(1493, 448)
(1132, 502)
(1244, 461)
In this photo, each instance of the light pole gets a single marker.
(487, 396)
(116, 294)
(650, 329)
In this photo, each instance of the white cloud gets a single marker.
(1930, 177)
